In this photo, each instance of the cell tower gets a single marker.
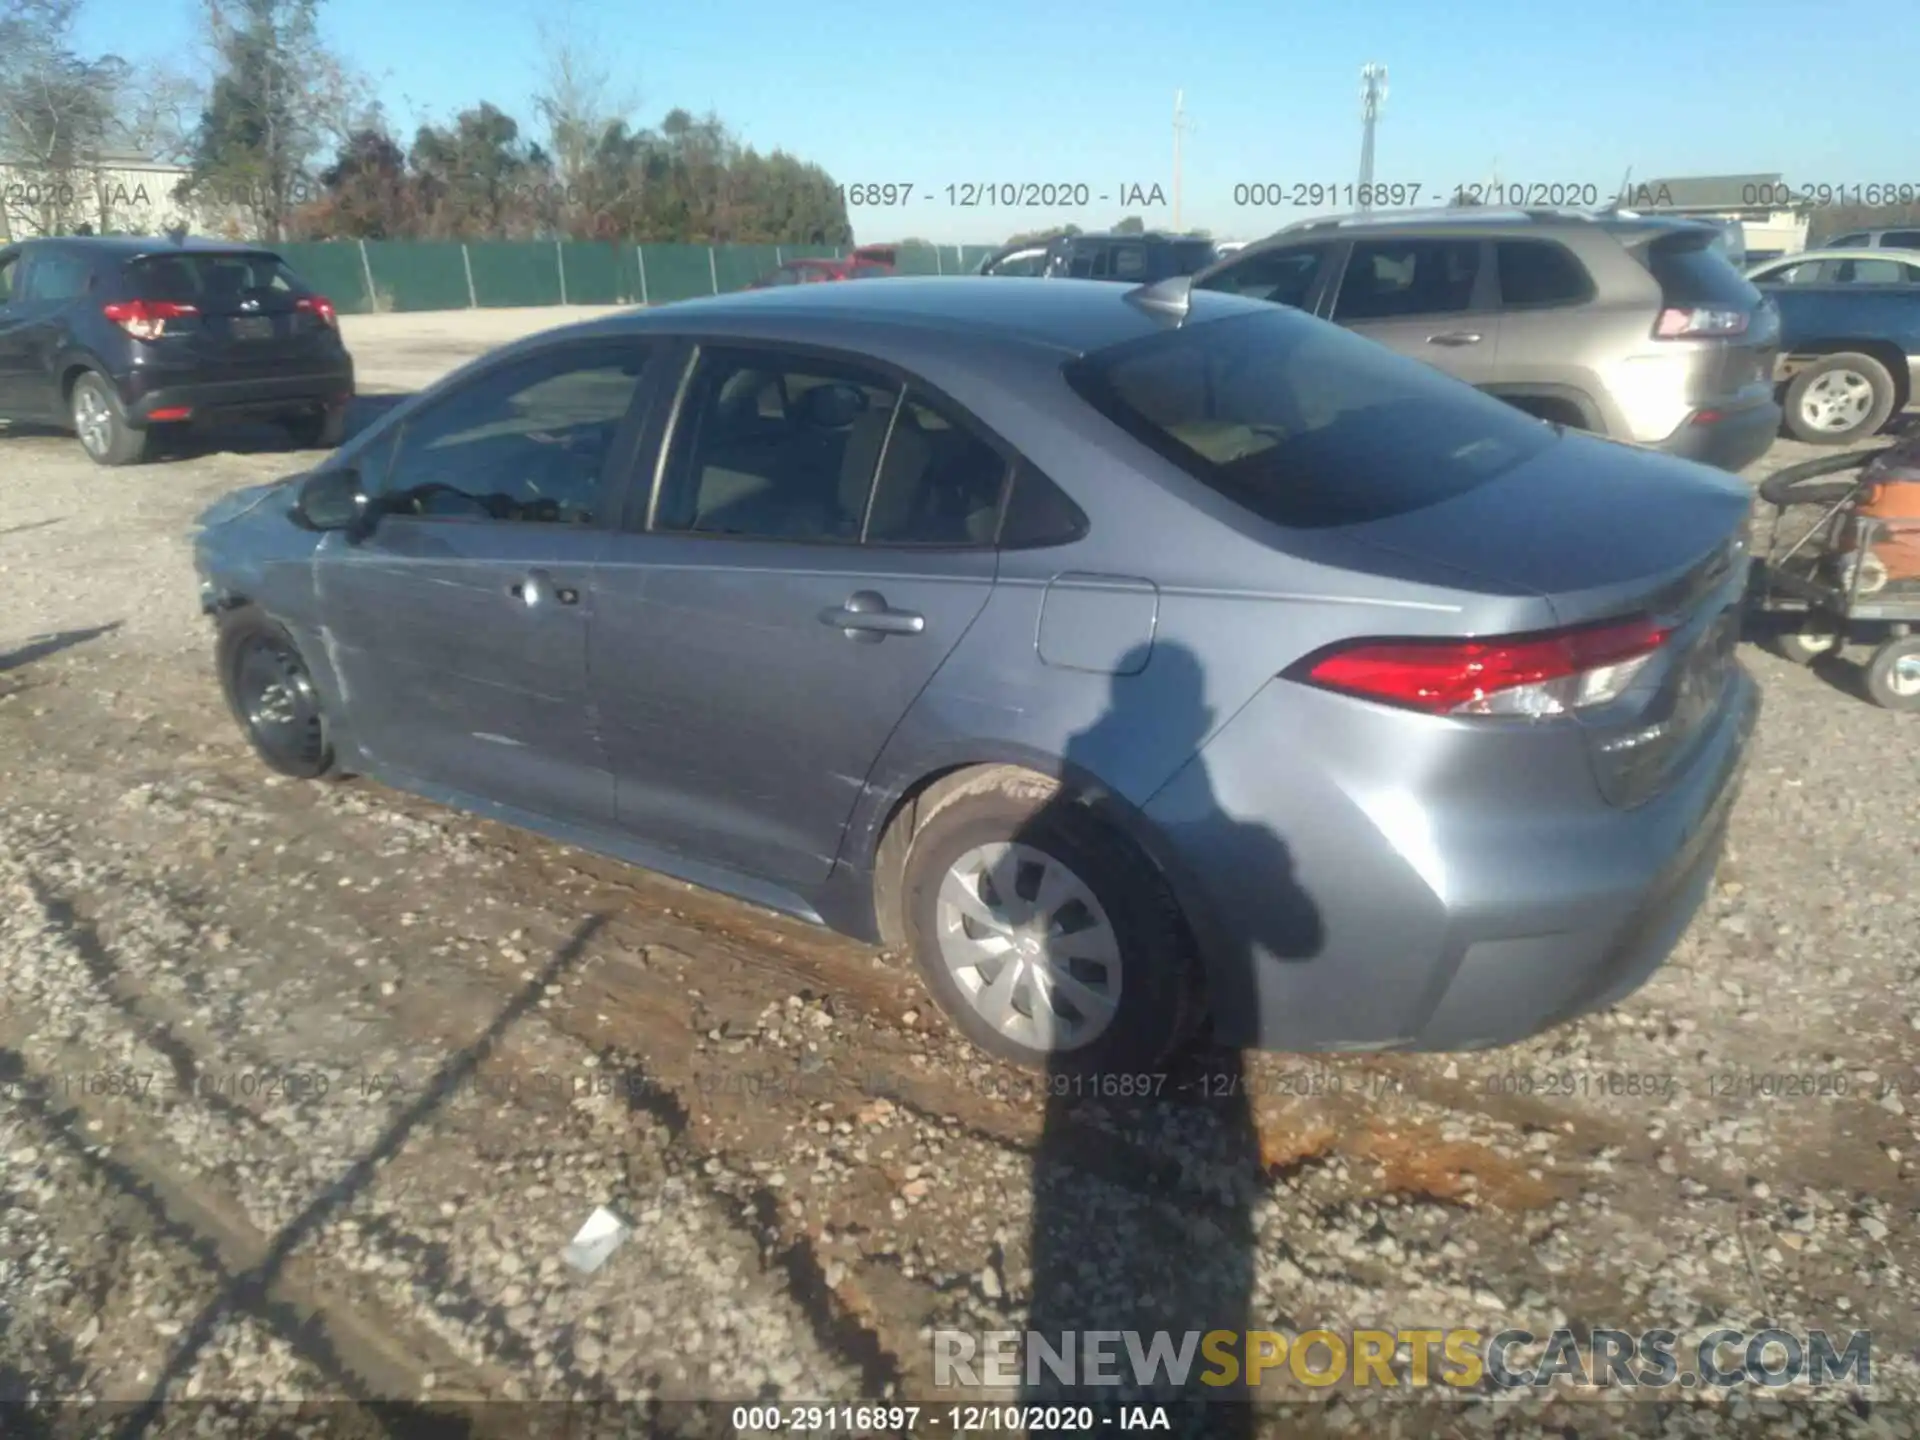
(1373, 95)
(1179, 129)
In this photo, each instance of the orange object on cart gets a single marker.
(1892, 497)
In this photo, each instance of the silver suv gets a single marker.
(1631, 327)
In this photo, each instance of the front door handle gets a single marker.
(537, 588)
(867, 617)
(1454, 337)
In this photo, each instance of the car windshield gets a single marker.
(197, 279)
(1304, 424)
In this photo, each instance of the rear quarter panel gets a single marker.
(1828, 315)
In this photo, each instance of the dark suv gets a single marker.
(1637, 328)
(1138, 259)
(117, 338)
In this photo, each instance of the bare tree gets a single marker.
(56, 116)
(588, 119)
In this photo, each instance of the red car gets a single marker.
(808, 272)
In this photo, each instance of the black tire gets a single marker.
(1893, 674)
(319, 430)
(100, 421)
(272, 695)
(1157, 999)
(1826, 377)
(1817, 481)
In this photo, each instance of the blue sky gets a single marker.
(940, 93)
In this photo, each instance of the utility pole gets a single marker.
(1179, 127)
(1373, 95)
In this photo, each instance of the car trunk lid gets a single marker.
(1603, 531)
(246, 309)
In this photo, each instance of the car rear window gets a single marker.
(199, 278)
(1693, 270)
(1304, 424)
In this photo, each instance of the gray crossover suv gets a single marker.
(1124, 655)
(1636, 328)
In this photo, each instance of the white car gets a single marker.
(1852, 265)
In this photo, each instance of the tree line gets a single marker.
(283, 141)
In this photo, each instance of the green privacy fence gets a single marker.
(363, 277)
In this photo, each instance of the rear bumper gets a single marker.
(1364, 916)
(225, 401)
(1732, 442)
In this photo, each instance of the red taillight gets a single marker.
(318, 305)
(1702, 323)
(1527, 675)
(172, 412)
(146, 319)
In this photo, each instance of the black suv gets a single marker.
(1135, 259)
(116, 338)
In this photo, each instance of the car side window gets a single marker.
(9, 272)
(525, 441)
(1807, 272)
(1283, 277)
(1129, 262)
(1901, 239)
(1868, 272)
(1539, 273)
(54, 277)
(774, 447)
(1039, 512)
(1392, 279)
(1844, 242)
(939, 483)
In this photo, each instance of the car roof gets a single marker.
(134, 246)
(1844, 252)
(1067, 316)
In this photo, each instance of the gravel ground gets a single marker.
(307, 1086)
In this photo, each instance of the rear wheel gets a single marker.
(1043, 933)
(1839, 399)
(1893, 674)
(272, 695)
(101, 422)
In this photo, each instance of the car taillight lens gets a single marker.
(321, 306)
(1699, 323)
(1526, 675)
(146, 319)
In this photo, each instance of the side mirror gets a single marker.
(333, 500)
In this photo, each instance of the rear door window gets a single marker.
(54, 276)
(1303, 424)
(1537, 273)
(1396, 279)
(1902, 239)
(1869, 272)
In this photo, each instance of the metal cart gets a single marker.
(1844, 559)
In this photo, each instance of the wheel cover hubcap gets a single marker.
(1838, 400)
(1029, 946)
(1903, 676)
(91, 420)
(277, 697)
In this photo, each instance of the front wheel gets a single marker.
(1043, 933)
(101, 422)
(1893, 674)
(272, 695)
(1839, 399)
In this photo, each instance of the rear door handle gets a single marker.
(1455, 337)
(537, 588)
(867, 617)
